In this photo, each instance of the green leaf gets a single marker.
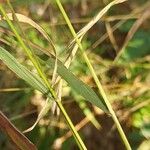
(80, 87)
(35, 81)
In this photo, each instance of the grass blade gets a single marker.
(88, 26)
(43, 76)
(37, 83)
(26, 75)
(16, 136)
(24, 19)
(22, 72)
(98, 83)
(80, 87)
(42, 113)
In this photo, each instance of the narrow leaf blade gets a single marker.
(15, 135)
(79, 86)
(22, 71)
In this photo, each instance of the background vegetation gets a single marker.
(118, 46)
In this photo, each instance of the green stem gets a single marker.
(102, 92)
(36, 64)
(31, 56)
(76, 135)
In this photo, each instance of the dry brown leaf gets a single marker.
(15, 135)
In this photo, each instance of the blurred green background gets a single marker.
(126, 83)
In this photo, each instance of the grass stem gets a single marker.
(37, 65)
(102, 92)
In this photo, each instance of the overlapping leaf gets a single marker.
(80, 87)
(36, 82)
